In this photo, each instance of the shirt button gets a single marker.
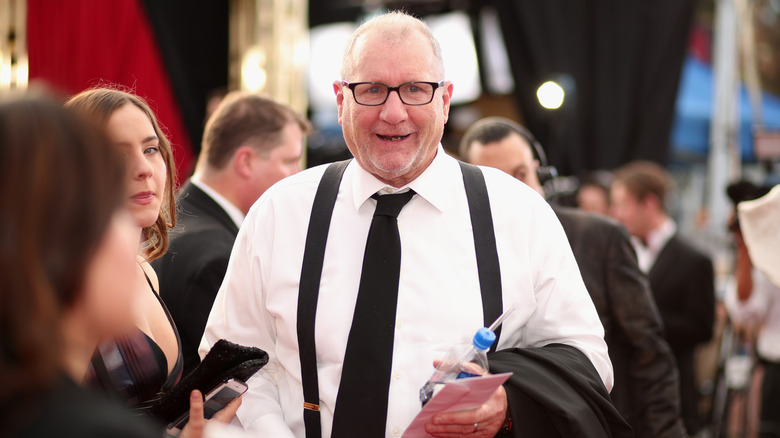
(398, 375)
(397, 432)
(399, 324)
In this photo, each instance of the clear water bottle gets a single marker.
(463, 360)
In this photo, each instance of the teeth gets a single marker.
(396, 138)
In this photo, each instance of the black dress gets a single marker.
(133, 369)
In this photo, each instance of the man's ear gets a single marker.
(446, 95)
(242, 161)
(338, 88)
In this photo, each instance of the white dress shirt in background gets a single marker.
(439, 300)
(656, 240)
(234, 212)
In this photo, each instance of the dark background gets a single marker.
(624, 58)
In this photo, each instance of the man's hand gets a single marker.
(488, 419)
(197, 423)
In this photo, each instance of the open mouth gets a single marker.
(392, 137)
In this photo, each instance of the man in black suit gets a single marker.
(250, 143)
(681, 276)
(646, 387)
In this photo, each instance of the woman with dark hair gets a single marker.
(150, 356)
(66, 260)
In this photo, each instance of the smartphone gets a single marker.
(214, 401)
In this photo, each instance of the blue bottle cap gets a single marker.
(484, 338)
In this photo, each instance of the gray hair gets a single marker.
(394, 27)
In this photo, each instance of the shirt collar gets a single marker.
(234, 212)
(657, 238)
(428, 185)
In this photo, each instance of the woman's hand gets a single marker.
(197, 423)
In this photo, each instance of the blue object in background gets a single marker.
(693, 112)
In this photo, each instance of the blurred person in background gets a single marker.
(250, 142)
(681, 275)
(753, 300)
(593, 193)
(646, 386)
(67, 262)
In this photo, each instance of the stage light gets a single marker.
(453, 31)
(550, 95)
(253, 74)
(22, 72)
(325, 50)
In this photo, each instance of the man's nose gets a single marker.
(393, 110)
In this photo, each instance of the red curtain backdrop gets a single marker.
(77, 44)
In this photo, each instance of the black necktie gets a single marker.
(361, 404)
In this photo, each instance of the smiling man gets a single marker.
(398, 281)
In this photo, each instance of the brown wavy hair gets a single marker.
(60, 185)
(98, 104)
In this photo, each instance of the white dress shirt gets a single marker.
(656, 240)
(234, 212)
(761, 309)
(439, 300)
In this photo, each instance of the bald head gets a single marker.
(393, 27)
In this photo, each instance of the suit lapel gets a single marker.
(200, 200)
(664, 263)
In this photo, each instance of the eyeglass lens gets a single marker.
(414, 93)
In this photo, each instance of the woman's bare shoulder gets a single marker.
(149, 271)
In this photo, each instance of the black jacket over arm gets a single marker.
(192, 270)
(646, 389)
(556, 392)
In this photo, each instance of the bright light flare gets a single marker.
(550, 95)
(253, 74)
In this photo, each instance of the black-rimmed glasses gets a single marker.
(376, 93)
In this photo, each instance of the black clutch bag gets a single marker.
(226, 360)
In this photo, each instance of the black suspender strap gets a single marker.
(311, 272)
(314, 255)
(484, 245)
